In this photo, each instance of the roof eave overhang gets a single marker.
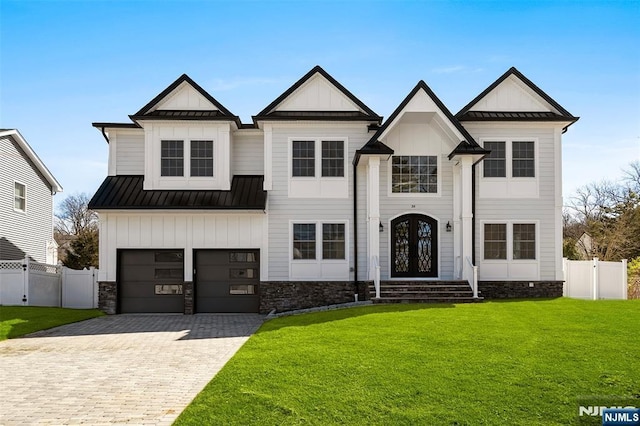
(140, 119)
(15, 134)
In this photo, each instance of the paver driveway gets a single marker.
(124, 369)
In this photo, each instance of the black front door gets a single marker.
(414, 246)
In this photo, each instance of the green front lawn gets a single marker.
(17, 321)
(520, 362)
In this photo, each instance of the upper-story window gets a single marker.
(511, 169)
(523, 163)
(414, 174)
(318, 168)
(172, 161)
(20, 197)
(520, 155)
(332, 158)
(495, 163)
(201, 158)
(172, 158)
(304, 162)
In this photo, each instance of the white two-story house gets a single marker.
(317, 201)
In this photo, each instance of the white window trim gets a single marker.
(313, 185)
(438, 192)
(186, 158)
(508, 153)
(318, 261)
(510, 224)
(13, 201)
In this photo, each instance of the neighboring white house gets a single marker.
(317, 197)
(27, 189)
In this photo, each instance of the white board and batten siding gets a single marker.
(178, 230)
(285, 210)
(23, 233)
(542, 206)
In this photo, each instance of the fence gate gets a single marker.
(594, 279)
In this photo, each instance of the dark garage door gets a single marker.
(151, 281)
(227, 280)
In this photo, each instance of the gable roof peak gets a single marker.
(268, 111)
(529, 84)
(184, 78)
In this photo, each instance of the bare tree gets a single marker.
(76, 232)
(74, 216)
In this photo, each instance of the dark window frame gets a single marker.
(202, 161)
(523, 159)
(334, 247)
(171, 164)
(492, 240)
(332, 158)
(304, 248)
(494, 165)
(414, 174)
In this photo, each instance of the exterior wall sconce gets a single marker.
(381, 228)
(448, 226)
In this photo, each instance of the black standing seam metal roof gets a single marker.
(374, 146)
(513, 71)
(127, 193)
(267, 112)
(511, 116)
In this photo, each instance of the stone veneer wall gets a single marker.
(107, 297)
(519, 289)
(291, 295)
(187, 290)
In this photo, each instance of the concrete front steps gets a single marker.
(424, 292)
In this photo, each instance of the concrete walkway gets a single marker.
(124, 369)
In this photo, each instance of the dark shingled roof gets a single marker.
(269, 114)
(127, 193)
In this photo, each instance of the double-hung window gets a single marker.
(523, 162)
(199, 162)
(201, 158)
(509, 241)
(306, 241)
(495, 162)
(414, 174)
(512, 158)
(20, 197)
(304, 161)
(172, 158)
(318, 168)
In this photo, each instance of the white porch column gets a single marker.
(457, 234)
(466, 162)
(373, 209)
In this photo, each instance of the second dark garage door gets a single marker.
(227, 280)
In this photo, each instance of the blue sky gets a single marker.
(66, 64)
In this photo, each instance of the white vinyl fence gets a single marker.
(28, 283)
(594, 279)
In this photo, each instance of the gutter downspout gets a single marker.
(473, 212)
(355, 229)
(104, 135)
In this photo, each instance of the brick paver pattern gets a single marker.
(123, 369)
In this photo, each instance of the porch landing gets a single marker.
(424, 292)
